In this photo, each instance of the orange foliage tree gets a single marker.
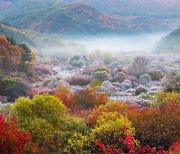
(64, 93)
(89, 98)
(10, 56)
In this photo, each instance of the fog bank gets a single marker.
(144, 43)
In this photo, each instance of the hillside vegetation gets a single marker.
(91, 17)
(169, 44)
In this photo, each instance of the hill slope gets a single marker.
(79, 16)
(46, 45)
(18, 35)
(51, 17)
(169, 44)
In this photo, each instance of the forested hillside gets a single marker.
(91, 17)
(169, 44)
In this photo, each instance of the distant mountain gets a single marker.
(70, 17)
(126, 7)
(50, 17)
(134, 7)
(169, 44)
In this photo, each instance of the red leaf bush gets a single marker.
(175, 148)
(11, 139)
(157, 126)
(37, 91)
(130, 146)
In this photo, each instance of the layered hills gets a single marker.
(90, 16)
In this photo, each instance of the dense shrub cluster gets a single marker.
(78, 61)
(111, 127)
(44, 68)
(153, 126)
(47, 119)
(79, 79)
(97, 124)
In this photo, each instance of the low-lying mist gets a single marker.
(144, 43)
(66, 48)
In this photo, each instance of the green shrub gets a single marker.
(156, 75)
(145, 77)
(172, 82)
(7, 83)
(163, 98)
(42, 106)
(69, 125)
(49, 108)
(6, 109)
(78, 61)
(78, 143)
(95, 83)
(140, 90)
(101, 69)
(120, 77)
(40, 116)
(111, 127)
(102, 76)
(41, 130)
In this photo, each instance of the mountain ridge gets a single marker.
(85, 17)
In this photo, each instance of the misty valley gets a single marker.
(89, 77)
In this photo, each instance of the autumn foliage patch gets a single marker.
(11, 139)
